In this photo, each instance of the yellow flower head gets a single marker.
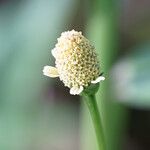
(76, 62)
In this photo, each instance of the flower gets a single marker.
(76, 62)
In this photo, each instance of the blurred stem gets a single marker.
(97, 122)
(102, 29)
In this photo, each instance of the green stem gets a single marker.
(93, 108)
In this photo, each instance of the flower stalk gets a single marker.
(77, 66)
(91, 103)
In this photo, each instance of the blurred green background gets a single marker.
(36, 112)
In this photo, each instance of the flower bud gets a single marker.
(76, 62)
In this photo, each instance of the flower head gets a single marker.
(76, 62)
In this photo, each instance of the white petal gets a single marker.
(50, 71)
(80, 90)
(101, 78)
(72, 91)
(53, 52)
(76, 90)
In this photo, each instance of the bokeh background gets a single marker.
(38, 113)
